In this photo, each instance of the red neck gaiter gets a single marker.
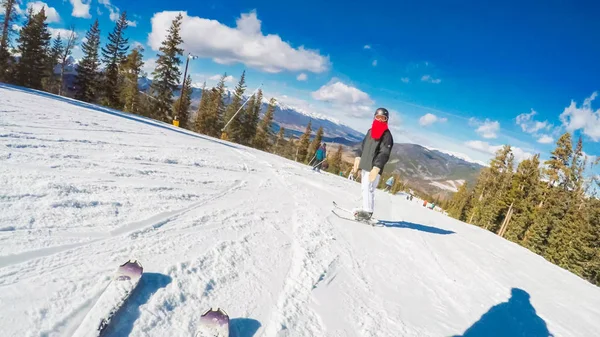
(378, 129)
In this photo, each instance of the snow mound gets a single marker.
(85, 188)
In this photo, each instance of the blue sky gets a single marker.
(464, 77)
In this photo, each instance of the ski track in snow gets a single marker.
(84, 188)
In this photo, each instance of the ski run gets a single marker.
(84, 189)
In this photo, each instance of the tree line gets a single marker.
(109, 74)
(550, 208)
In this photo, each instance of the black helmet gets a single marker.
(382, 111)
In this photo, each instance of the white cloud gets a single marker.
(545, 139)
(64, 33)
(529, 125)
(429, 119)
(430, 79)
(340, 93)
(486, 129)
(584, 118)
(244, 43)
(149, 66)
(115, 12)
(217, 77)
(485, 147)
(136, 44)
(302, 77)
(367, 46)
(405, 79)
(16, 27)
(374, 63)
(51, 13)
(81, 9)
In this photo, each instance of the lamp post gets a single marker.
(187, 61)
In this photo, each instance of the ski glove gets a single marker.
(374, 172)
(356, 163)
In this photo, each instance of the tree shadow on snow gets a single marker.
(133, 117)
(417, 227)
(243, 327)
(515, 318)
(130, 312)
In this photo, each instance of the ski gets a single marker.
(214, 322)
(371, 222)
(125, 280)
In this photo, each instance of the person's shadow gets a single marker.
(243, 327)
(413, 226)
(515, 318)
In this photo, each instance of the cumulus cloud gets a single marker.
(374, 63)
(81, 8)
(582, 118)
(367, 46)
(545, 139)
(217, 77)
(244, 43)
(340, 93)
(149, 66)
(486, 129)
(405, 79)
(302, 77)
(115, 12)
(51, 13)
(64, 33)
(487, 148)
(430, 79)
(430, 118)
(529, 124)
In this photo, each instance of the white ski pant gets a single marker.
(368, 191)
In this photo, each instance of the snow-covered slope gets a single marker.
(83, 189)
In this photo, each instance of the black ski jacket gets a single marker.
(375, 152)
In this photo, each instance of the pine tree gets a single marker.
(244, 118)
(167, 74)
(525, 194)
(567, 240)
(87, 81)
(113, 55)
(304, 141)
(56, 51)
(8, 7)
(33, 45)
(185, 100)
(252, 118)
(458, 204)
(233, 131)
(279, 142)
(132, 67)
(200, 123)
(314, 146)
(264, 133)
(209, 119)
(335, 165)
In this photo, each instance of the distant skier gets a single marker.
(374, 153)
(320, 157)
(388, 184)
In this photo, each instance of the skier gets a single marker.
(320, 157)
(374, 153)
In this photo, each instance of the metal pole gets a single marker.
(187, 61)
(223, 129)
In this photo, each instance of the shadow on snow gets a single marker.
(130, 312)
(243, 327)
(137, 118)
(417, 227)
(515, 318)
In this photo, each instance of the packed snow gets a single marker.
(84, 189)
